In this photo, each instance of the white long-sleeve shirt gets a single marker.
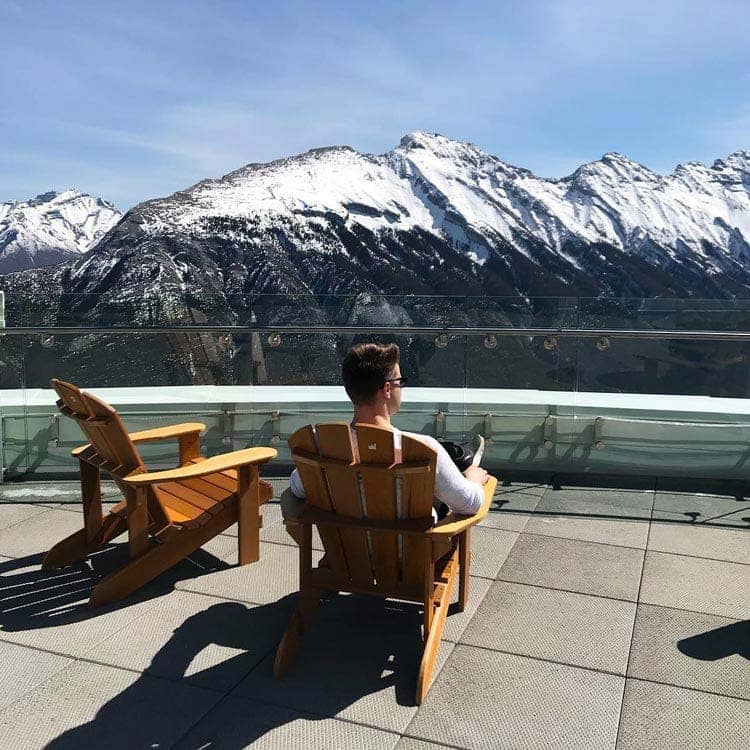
(451, 486)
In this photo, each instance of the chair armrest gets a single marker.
(165, 433)
(454, 523)
(158, 433)
(207, 466)
(80, 449)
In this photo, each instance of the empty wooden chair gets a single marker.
(374, 517)
(167, 514)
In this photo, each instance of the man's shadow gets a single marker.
(356, 646)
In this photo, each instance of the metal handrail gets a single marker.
(648, 334)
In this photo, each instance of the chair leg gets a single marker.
(464, 565)
(439, 603)
(91, 497)
(248, 515)
(289, 646)
(78, 546)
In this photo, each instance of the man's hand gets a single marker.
(476, 474)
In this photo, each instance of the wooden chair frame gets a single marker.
(362, 549)
(167, 514)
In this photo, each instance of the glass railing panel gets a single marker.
(14, 430)
(515, 388)
(604, 403)
(662, 405)
(128, 360)
(666, 314)
(546, 363)
(660, 364)
(525, 312)
(364, 309)
(152, 379)
(665, 366)
(282, 358)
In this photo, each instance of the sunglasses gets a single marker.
(399, 382)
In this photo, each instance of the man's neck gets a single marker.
(372, 414)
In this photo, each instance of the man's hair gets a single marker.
(365, 369)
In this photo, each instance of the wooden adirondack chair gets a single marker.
(375, 520)
(167, 514)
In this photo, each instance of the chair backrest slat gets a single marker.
(335, 441)
(380, 501)
(112, 435)
(343, 483)
(314, 481)
(416, 501)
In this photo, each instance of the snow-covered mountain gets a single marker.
(51, 228)
(431, 217)
(462, 194)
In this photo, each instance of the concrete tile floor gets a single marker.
(598, 619)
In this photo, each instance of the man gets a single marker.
(372, 379)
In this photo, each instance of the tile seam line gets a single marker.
(18, 523)
(76, 660)
(696, 557)
(633, 678)
(278, 544)
(147, 673)
(677, 609)
(178, 590)
(428, 741)
(87, 660)
(223, 598)
(635, 618)
(543, 659)
(149, 605)
(37, 648)
(190, 727)
(223, 699)
(569, 591)
(628, 546)
(313, 714)
(585, 541)
(694, 611)
(547, 536)
(224, 695)
(71, 660)
(616, 599)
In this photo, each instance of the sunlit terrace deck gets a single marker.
(609, 615)
(598, 618)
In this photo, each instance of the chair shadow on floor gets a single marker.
(32, 598)
(356, 646)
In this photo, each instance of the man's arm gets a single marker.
(296, 486)
(462, 494)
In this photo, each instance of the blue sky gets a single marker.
(135, 100)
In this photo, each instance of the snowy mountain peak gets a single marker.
(421, 139)
(441, 146)
(612, 169)
(51, 227)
